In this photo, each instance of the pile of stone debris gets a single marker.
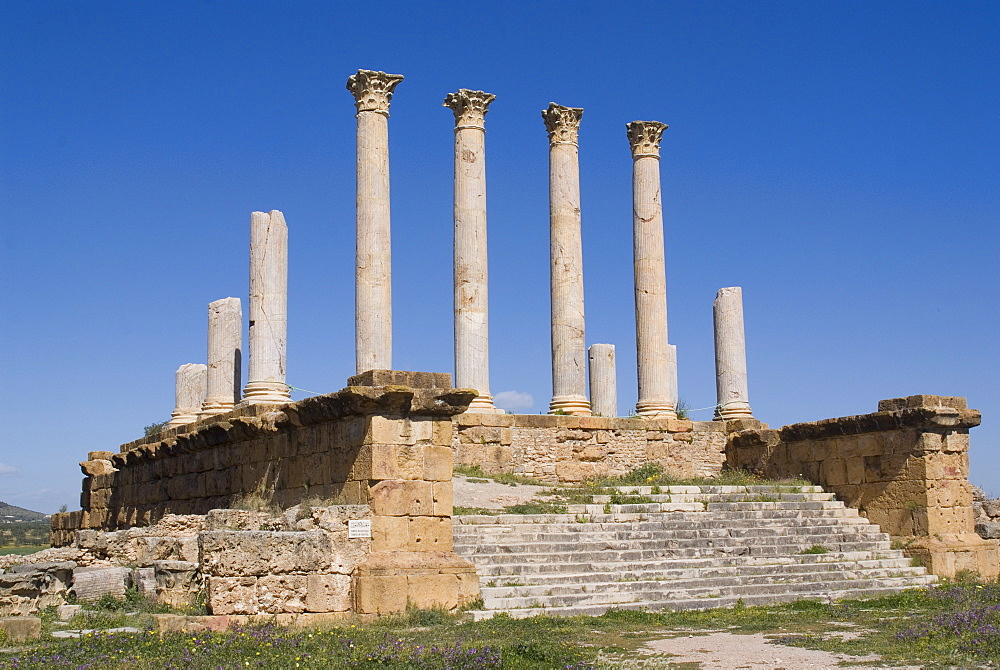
(987, 511)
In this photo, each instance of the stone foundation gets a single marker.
(554, 448)
(905, 467)
(381, 445)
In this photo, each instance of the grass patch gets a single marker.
(654, 474)
(22, 551)
(476, 472)
(953, 625)
(473, 511)
(816, 549)
(537, 507)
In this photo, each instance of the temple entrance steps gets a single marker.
(682, 547)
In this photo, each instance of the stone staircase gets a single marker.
(693, 547)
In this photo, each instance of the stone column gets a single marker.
(268, 309)
(569, 352)
(472, 360)
(730, 356)
(225, 345)
(190, 385)
(372, 92)
(603, 384)
(656, 367)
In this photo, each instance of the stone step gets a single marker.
(737, 506)
(696, 589)
(859, 592)
(694, 568)
(577, 537)
(726, 516)
(487, 569)
(688, 549)
(694, 580)
(793, 544)
(714, 490)
(721, 497)
(573, 541)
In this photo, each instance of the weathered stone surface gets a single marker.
(177, 582)
(91, 583)
(569, 352)
(603, 381)
(989, 530)
(190, 389)
(225, 351)
(471, 286)
(656, 361)
(429, 380)
(732, 395)
(328, 593)
(21, 628)
(282, 593)
(232, 595)
(268, 309)
(243, 553)
(372, 92)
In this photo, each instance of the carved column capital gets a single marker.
(470, 107)
(563, 123)
(372, 90)
(644, 137)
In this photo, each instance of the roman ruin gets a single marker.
(569, 372)
(372, 92)
(353, 509)
(657, 366)
(190, 389)
(732, 401)
(268, 309)
(472, 360)
(225, 355)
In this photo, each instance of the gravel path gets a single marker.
(729, 651)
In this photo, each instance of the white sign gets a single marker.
(359, 528)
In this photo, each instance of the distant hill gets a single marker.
(10, 514)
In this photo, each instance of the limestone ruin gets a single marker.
(354, 489)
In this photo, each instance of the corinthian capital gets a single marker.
(372, 90)
(470, 107)
(644, 136)
(563, 123)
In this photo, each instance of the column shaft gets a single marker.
(225, 345)
(268, 309)
(373, 288)
(569, 353)
(471, 286)
(656, 366)
(603, 382)
(730, 356)
(190, 385)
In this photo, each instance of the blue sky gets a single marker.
(838, 160)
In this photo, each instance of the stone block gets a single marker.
(98, 467)
(430, 533)
(427, 591)
(435, 380)
(242, 553)
(100, 455)
(328, 593)
(282, 593)
(380, 594)
(932, 401)
(438, 464)
(21, 628)
(67, 612)
(91, 583)
(574, 471)
(232, 595)
(177, 582)
(443, 493)
(390, 533)
(989, 530)
(402, 498)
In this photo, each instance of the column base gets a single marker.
(181, 418)
(733, 410)
(213, 407)
(262, 393)
(658, 408)
(483, 404)
(577, 405)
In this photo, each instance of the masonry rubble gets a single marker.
(987, 514)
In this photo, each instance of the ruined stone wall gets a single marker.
(383, 446)
(905, 467)
(557, 448)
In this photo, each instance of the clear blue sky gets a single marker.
(838, 160)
